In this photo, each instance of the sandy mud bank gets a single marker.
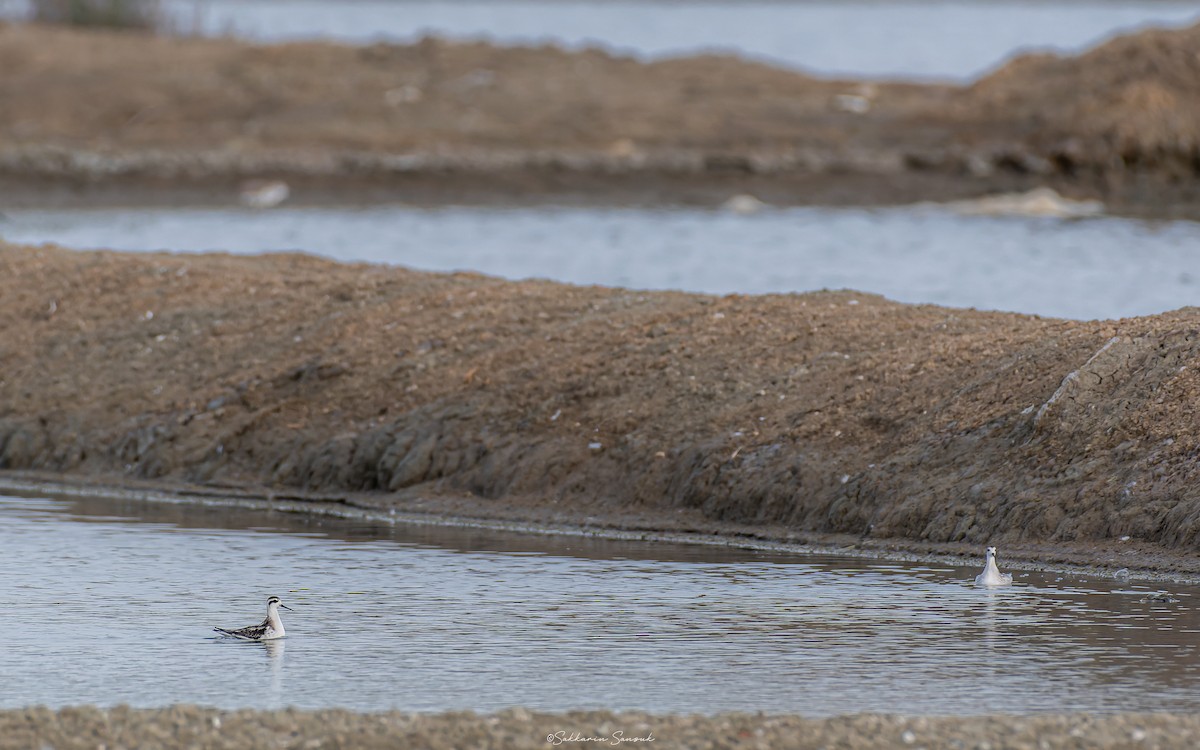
(832, 412)
(104, 117)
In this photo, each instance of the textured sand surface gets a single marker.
(833, 412)
(187, 726)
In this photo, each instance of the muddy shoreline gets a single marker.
(542, 186)
(1144, 199)
(1141, 562)
(561, 179)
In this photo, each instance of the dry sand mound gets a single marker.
(825, 412)
(1132, 103)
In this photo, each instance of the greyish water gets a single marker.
(110, 602)
(1094, 268)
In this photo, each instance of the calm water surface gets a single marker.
(107, 602)
(1095, 268)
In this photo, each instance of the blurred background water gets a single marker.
(1102, 267)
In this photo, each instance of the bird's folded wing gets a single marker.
(254, 631)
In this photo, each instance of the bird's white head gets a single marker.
(274, 603)
(991, 552)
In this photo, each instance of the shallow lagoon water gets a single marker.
(111, 602)
(1095, 268)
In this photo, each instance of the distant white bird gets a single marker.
(263, 193)
(991, 575)
(270, 628)
(1040, 201)
(743, 205)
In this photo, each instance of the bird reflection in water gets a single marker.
(275, 650)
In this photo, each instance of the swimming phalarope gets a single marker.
(270, 629)
(991, 575)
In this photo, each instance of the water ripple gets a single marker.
(107, 602)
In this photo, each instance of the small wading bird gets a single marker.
(991, 575)
(270, 629)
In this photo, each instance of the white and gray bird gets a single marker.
(991, 575)
(270, 628)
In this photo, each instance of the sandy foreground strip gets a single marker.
(188, 726)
